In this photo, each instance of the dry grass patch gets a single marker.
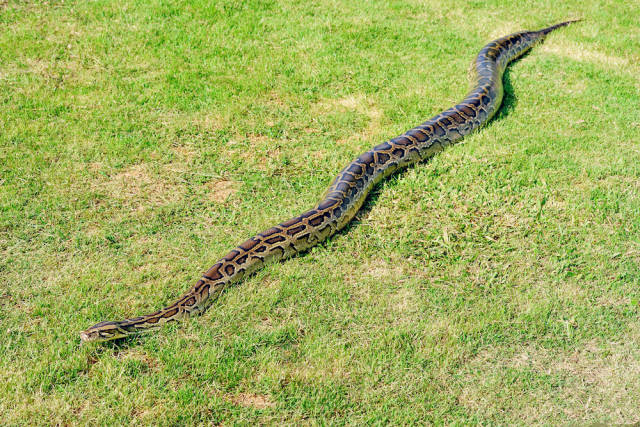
(314, 370)
(137, 185)
(501, 29)
(596, 381)
(220, 191)
(359, 104)
(404, 304)
(257, 401)
(206, 121)
(582, 53)
(185, 151)
(381, 269)
(260, 152)
(147, 362)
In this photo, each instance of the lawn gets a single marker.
(497, 283)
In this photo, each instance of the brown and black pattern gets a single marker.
(347, 192)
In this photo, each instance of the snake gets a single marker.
(347, 193)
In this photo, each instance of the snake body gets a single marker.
(347, 193)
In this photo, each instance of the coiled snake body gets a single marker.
(347, 193)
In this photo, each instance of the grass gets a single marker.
(496, 284)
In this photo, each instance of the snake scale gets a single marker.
(347, 193)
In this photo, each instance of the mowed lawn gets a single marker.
(140, 141)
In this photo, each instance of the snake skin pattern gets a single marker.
(346, 194)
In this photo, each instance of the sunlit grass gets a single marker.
(497, 283)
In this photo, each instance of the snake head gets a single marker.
(104, 331)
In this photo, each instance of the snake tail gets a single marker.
(346, 194)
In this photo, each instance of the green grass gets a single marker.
(497, 283)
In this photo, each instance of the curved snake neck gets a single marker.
(348, 191)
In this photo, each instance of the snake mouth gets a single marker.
(87, 336)
(90, 335)
(103, 331)
(97, 336)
